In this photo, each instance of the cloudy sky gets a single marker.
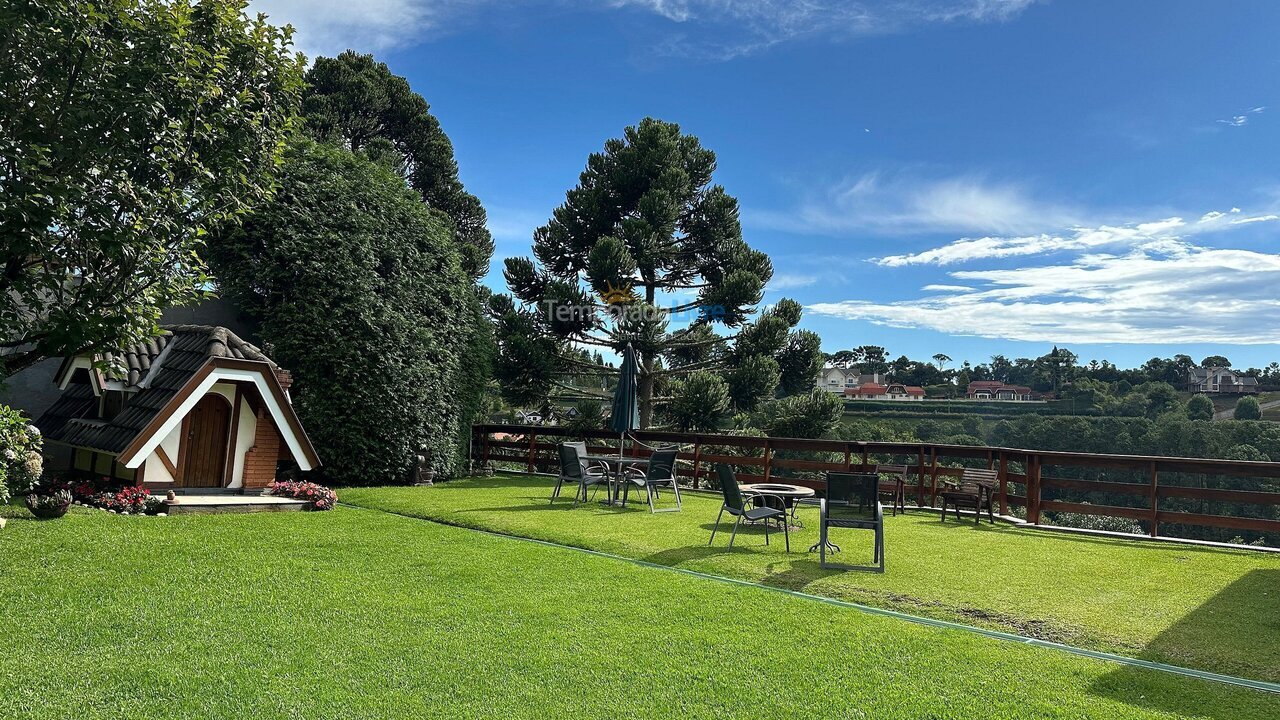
(962, 176)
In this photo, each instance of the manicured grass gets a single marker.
(1217, 610)
(358, 613)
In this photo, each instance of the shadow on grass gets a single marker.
(1242, 620)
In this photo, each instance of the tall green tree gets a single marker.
(362, 295)
(357, 102)
(127, 130)
(644, 230)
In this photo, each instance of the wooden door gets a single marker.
(208, 427)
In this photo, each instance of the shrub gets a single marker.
(1096, 522)
(1200, 407)
(49, 506)
(699, 401)
(129, 500)
(20, 459)
(1247, 408)
(809, 415)
(376, 364)
(320, 497)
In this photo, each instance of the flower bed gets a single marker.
(108, 494)
(320, 497)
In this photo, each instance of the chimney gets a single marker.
(285, 378)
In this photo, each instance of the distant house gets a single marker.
(196, 407)
(834, 379)
(873, 386)
(1220, 380)
(996, 390)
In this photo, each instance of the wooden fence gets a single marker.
(1130, 486)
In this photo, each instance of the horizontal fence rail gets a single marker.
(1150, 491)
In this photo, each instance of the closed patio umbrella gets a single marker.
(626, 410)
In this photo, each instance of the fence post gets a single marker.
(697, 454)
(1155, 500)
(864, 458)
(848, 459)
(933, 477)
(533, 443)
(768, 459)
(1004, 483)
(920, 479)
(1033, 489)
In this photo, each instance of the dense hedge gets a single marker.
(904, 408)
(361, 294)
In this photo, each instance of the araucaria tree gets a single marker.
(127, 130)
(645, 251)
(362, 294)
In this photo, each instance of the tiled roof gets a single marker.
(71, 419)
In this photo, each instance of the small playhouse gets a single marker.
(195, 408)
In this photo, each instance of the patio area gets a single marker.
(1206, 608)
(359, 613)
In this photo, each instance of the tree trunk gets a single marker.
(645, 386)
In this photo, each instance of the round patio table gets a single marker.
(791, 496)
(617, 465)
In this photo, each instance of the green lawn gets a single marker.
(1212, 609)
(358, 613)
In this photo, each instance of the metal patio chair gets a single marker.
(774, 508)
(852, 501)
(571, 472)
(660, 472)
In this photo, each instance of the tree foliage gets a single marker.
(644, 228)
(808, 415)
(1199, 407)
(362, 295)
(127, 129)
(1247, 408)
(698, 401)
(356, 101)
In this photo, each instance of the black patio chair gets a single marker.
(772, 508)
(598, 469)
(660, 472)
(852, 501)
(571, 472)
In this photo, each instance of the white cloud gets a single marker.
(1149, 295)
(1153, 235)
(709, 28)
(1243, 118)
(790, 281)
(902, 203)
(327, 27)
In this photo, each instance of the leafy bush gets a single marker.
(20, 459)
(699, 401)
(1247, 408)
(128, 500)
(810, 415)
(360, 291)
(49, 506)
(1096, 522)
(320, 497)
(1200, 407)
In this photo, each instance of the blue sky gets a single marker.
(961, 176)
